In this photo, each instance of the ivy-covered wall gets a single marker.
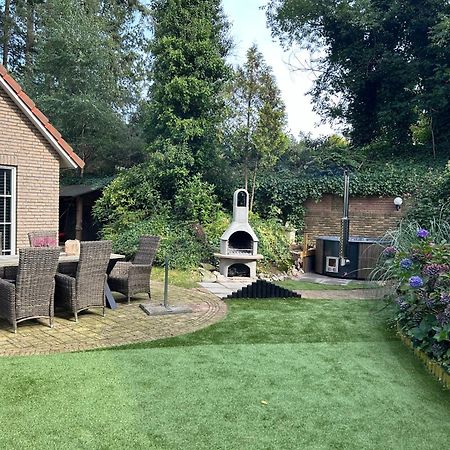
(369, 216)
(283, 194)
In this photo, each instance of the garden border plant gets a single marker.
(417, 263)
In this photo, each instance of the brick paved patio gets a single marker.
(126, 324)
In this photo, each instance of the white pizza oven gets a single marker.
(239, 244)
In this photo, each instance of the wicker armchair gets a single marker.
(133, 277)
(2, 271)
(43, 238)
(86, 289)
(32, 294)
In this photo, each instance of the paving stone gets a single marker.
(126, 324)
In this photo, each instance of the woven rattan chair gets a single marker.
(2, 270)
(31, 295)
(86, 289)
(133, 277)
(43, 238)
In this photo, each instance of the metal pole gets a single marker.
(345, 224)
(166, 280)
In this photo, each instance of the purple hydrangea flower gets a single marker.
(438, 348)
(430, 303)
(401, 304)
(415, 282)
(433, 270)
(389, 252)
(445, 298)
(444, 317)
(406, 263)
(422, 233)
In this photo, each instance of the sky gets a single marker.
(249, 27)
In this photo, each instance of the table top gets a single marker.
(13, 261)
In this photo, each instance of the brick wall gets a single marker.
(369, 216)
(37, 175)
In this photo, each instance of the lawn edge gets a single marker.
(433, 367)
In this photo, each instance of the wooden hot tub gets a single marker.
(363, 253)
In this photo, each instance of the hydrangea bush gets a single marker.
(418, 262)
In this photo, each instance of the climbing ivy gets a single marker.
(283, 193)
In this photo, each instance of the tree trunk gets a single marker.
(433, 138)
(6, 32)
(252, 197)
(246, 173)
(29, 44)
(247, 138)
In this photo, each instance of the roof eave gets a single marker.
(67, 161)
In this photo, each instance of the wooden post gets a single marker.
(79, 218)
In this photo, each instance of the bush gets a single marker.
(418, 261)
(433, 198)
(273, 243)
(179, 242)
(196, 201)
(131, 197)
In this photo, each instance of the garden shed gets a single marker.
(32, 152)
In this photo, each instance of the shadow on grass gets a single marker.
(282, 321)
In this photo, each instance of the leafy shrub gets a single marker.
(178, 241)
(433, 198)
(273, 243)
(418, 261)
(196, 201)
(132, 196)
(190, 221)
(213, 230)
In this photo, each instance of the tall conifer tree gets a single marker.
(185, 110)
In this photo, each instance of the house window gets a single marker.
(7, 210)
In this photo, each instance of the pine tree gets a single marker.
(257, 119)
(83, 75)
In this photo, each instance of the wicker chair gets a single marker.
(2, 270)
(86, 289)
(133, 277)
(43, 238)
(31, 295)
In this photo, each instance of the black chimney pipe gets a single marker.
(345, 224)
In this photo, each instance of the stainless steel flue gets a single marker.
(345, 224)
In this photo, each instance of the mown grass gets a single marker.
(299, 285)
(182, 278)
(275, 374)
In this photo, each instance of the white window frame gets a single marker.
(13, 170)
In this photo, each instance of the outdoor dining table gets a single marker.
(13, 261)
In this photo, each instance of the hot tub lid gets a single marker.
(362, 239)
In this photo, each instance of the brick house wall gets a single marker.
(37, 171)
(369, 216)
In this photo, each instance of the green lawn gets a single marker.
(183, 278)
(275, 374)
(299, 285)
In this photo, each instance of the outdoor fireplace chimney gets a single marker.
(239, 243)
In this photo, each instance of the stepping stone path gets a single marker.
(223, 289)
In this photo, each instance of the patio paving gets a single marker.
(124, 325)
(222, 289)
